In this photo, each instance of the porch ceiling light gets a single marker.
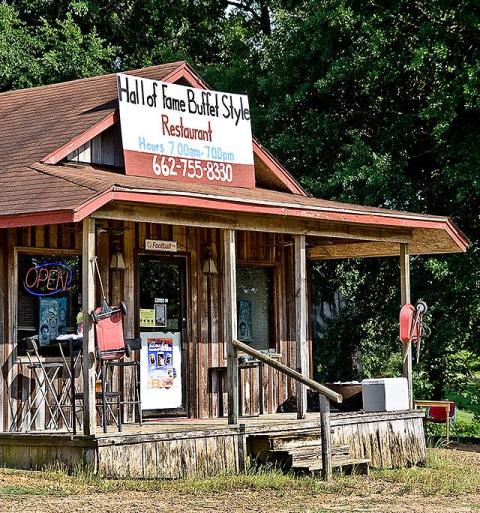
(117, 263)
(209, 266)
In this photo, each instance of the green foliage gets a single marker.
(364, 102)
(380, 106)
(44, 53)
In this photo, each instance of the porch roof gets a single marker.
(69, 193)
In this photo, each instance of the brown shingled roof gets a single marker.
(38, 120)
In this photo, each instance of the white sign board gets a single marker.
(179, 133)
(160, 371)
(161, 245)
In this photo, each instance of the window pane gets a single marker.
(49, 298)
(254, 299)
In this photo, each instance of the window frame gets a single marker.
(274, 341)
(14, 284)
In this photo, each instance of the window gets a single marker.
(254, 304)
(49, 298)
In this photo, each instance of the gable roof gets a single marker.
(47, 123)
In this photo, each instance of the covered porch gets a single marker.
(228, 413)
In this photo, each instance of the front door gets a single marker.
(163, 334)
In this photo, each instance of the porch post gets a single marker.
(230, 322)
(301, 321)
(405, 299)
(88, 295)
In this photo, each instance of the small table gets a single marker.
(441, 404)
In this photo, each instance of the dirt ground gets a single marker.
(401, 492)
(235, 502)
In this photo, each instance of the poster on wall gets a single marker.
(185, 134)
(245, 320)
(160, 371)
(147, 318)
(53, 319)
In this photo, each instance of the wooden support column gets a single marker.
(326, 435)
(301, 321)
(230, 322)
(88, 295)
(405, 299)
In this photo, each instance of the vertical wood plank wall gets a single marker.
(206, 351)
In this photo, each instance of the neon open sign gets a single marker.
(47, 279)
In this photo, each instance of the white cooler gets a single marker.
(385, 394)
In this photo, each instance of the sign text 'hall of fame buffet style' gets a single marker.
(185, 134)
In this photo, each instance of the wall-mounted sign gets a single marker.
(53, 319)
(147, 318)
(184, 134)
(161, 245)
(47, 279)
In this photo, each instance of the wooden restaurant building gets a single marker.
(206, 238)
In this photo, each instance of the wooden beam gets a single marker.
(301, 321)
(88, 294)
(127, 211)
(326, 436)
(353, 250)
(405, 299)
(292, 373)
(230, 322)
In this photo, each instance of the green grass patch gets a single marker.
(448, 472)
(445, 474)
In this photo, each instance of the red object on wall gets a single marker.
(408, 324)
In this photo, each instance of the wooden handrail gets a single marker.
(317, 387)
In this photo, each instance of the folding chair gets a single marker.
(45, 375)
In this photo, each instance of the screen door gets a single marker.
(162, 330)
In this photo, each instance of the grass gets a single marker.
(447, 473)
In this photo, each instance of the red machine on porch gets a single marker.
(111, 348)
(412, 328)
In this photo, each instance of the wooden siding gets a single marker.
(206, 388)
(210, 447)
(104, 149)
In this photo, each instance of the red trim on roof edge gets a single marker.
(67, 216)
(91, 206)
(56, 156)
(37, 219)
(367, 219)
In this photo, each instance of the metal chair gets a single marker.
(45, 374)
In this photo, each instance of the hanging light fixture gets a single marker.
(209, 266)
(117, 263)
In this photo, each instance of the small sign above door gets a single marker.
(161, 245)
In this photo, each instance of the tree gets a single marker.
(47, 52)
(379, 104)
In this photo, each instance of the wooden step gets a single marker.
(360, 465)
(305, 454)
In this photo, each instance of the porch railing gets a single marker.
(324, 394)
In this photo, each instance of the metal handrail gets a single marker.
(317, 387)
